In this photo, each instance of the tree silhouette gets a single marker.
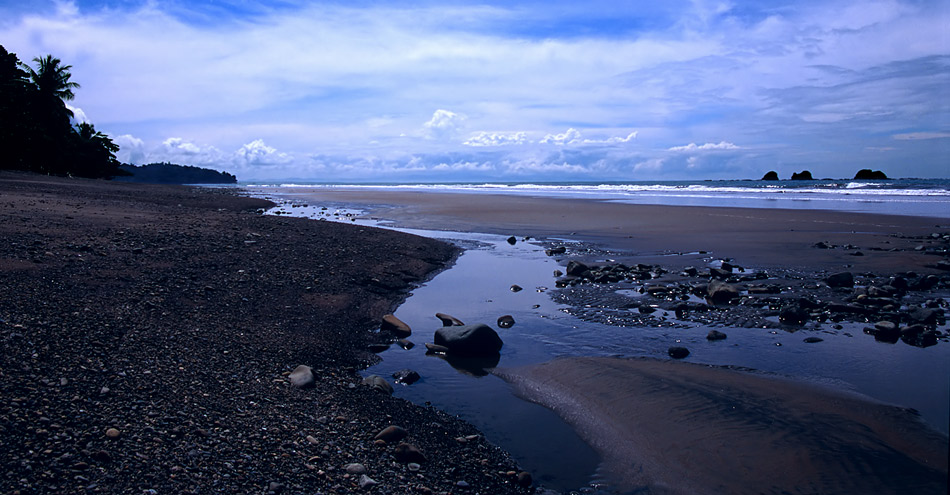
(52, 79)
(35, 129)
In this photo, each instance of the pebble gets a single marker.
(366, 481)
(355, 468)
(113, 433)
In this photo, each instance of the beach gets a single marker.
(778, 259)
(148, 335)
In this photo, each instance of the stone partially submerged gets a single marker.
(469, 340)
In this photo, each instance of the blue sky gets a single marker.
(507, 91)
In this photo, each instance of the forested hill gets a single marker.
(170, 173)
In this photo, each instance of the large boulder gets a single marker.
(469, 340)
(770, 175)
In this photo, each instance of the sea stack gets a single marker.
(868, 174)
(803, 175)
(770, 175)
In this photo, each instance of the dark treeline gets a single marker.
(170, 173)
(35, 129)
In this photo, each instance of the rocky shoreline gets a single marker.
(149, 333)
(903, 306)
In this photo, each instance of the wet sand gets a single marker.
(756, 237)
(674, 427)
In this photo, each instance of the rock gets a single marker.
(275, 487)
(821, 245)
(113, 433)
(406, 377)
(436, 349)
(715, 335)
(843, 279)
(378, 383)
(924, 316)
(793, 314)
(469, 340)
(405, 344)
(813, 340)
(391, 434)
(555, 250)
(512, 240)
(302, 377)
(449, 320)
(524, 479)
(516, 288)
(367, 482)
(396, 326)
(355, 468)
(677, 352)
(558, 273)
(770, 175)
(719, 273)
(377, 348)
(720, 292)
(576, 268)
(803, 175)
(506, 321)
(868, 174)
(406, 453)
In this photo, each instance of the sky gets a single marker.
(446, 91)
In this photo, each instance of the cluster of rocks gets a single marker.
(726, 294)
(475, 348)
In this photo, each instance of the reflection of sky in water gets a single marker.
(477, 290)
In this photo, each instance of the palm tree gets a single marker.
(52, 79)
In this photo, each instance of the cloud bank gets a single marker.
(494, 91)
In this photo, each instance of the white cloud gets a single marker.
(443, 124)
(79, 117)
(570, 136)
(131, 149)
(692, 147)
(177, 145)
(257, 153)
(912, 136)
(614, 139)
(496, 139)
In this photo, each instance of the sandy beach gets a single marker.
(148, 332)
(756, 237)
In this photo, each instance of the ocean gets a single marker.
(913, 197)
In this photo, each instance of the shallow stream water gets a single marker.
(478, 289)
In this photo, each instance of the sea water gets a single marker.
(914, 197)
(478, 289)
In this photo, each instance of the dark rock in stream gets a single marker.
(720, 292)
(449, 320)
(843, 279)
(406, 377)
(715, 335)
(677, 352)
(506, 321)
(576, 268)
(396, 326)
(469, 340)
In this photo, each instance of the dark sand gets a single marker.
(674, 427)
(173, 315)
(754, 237)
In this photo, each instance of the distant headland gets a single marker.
(171, 173)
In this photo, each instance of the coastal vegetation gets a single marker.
(37, 132)
(171, 173)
